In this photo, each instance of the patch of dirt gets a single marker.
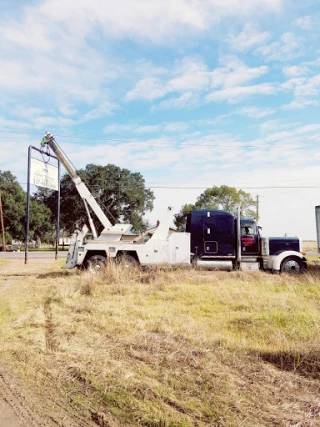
(17, 410)
(37, 404)
(17, 267)
(23, 406)
(8, 418)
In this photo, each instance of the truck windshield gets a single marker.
(248, 230)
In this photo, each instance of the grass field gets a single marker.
(309, 245)
(163, 347)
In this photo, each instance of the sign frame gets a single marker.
(44, 175)
(28, 201)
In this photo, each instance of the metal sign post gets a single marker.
(317, 209)
(2, 227)
(44, 175)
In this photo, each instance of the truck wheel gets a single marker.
(128, 261)
(96, 264)
(291, 265)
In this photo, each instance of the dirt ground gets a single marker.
(19, 404)
(7, 418)
(16, 405)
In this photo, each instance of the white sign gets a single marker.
(44, 175)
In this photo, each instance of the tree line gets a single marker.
(121, 194)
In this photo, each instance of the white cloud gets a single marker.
(294, 133)
(118, 127)
(234, 73)
(186, 100)
(44, 122)
(52, 49)
(250, 37)
(147, 129)
(148, 88)
(103, 109)
(192, 75)
(161, 20)
(176, 127)
(310, 87)
(26, 111)
(295, 70)
(298, 104)
(255, 112)
(303, 89)
(238, 93)
(287, 48)
(141, 129)
(308, 22)
(66, 109)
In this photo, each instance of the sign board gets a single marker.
(44, 175)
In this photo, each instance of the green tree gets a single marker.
(223, 198)
(14, 200)
(121, 194)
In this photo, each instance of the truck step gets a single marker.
(249, 266)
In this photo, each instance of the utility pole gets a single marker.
(258, 200)
(2, 227)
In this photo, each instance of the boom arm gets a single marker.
(80, 186)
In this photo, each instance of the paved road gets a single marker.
(32, 255)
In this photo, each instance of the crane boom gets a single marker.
(110, 231)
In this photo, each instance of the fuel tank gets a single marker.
(214, 265)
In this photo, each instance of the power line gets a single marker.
(242, 188)
(152, 141)
(173, 187)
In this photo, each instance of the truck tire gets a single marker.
(291, 265)
(128, 261)
(96, 264)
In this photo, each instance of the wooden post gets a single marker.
(2, 227)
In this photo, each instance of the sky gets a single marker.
(190, 93)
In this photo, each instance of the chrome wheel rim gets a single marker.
(292, 267)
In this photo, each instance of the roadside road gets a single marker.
(33, 255)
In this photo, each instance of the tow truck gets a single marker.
(213, 240)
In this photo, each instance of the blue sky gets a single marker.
(189, 93)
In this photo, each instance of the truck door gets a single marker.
(218, 234)
(249, 239)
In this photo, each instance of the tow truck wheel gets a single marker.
(128, 261)
(291, 265)
(96, 264)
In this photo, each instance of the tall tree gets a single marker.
(121, 194)
(14, 200)
(224, 198)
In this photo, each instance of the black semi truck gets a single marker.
(220, 240)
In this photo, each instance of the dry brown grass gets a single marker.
(309, 246)
(168, 347)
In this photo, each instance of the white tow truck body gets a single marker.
(162, 248)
